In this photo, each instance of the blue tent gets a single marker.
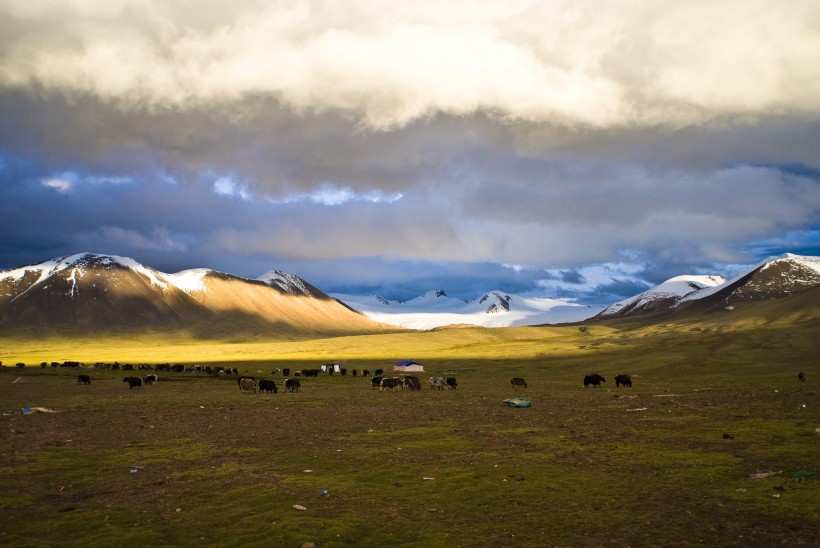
(408, 366)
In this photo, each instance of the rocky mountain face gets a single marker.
(89, 292)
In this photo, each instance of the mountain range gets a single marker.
(89, 293)
(493, 309)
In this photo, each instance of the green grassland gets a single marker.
(647, 465)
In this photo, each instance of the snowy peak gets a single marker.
(291, 284)
(496, 302)
(663, 296)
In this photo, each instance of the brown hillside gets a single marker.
(237, 298)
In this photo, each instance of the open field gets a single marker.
(192, 461)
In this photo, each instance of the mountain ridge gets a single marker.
(89, 292)
(773, 278)
(97, 292)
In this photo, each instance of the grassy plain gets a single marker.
(647, 465)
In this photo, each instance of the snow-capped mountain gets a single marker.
(493, 309)
(663, 296)
(774, 278)
(89, 291)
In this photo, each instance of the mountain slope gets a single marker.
(90, 292)
(774, 279)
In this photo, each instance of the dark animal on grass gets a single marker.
(379, 372)
(595, 380)
(150, 379)
(293, 385)
(83, 379)
(286, 372)
(268, 386)
(518, 382)
(390, 383)
(365, 372)
(437, 383)
(247, 385)
(375, 381)
(625, 380)
(452, 384)
(801, 377)
(412, 383)
(132, 382)
(354, 372)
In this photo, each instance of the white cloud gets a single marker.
(159, 239)
(332, 195)
(60, 185)
(227, 186)
(387, 63)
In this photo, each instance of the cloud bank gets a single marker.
(396, 147)
(388, 63)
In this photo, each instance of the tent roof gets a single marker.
(407, 363)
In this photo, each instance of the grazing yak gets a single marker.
(293, 385)
(625, 380)
(132, 382)
(83, 379)
(412, 383)
(801, 377)
(247, 385)
(268, 386)
(375, 381)
(437, 383)
(595, 380)
(150, 379)
(390, 383)
(451, 383)
(518, 382)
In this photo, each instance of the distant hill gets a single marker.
(791, 278)
(87, 293)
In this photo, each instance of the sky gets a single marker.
(574, 149)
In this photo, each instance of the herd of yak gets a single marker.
(408, 382)
(249, 384)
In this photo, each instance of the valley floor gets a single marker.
(714, 444)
